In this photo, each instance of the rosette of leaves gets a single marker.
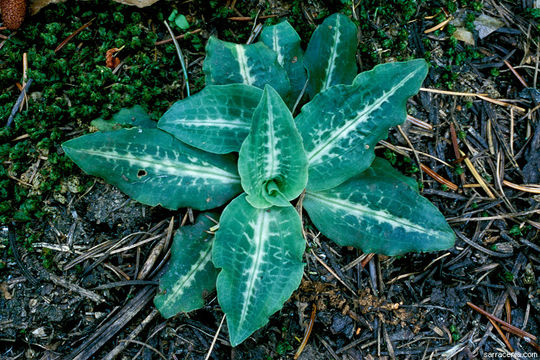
(238, 140)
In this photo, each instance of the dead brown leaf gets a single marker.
(112, 61)
(138, 3)
(36, 5)
(5, 292)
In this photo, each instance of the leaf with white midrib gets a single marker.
(331, 54)
(285, 41)
(379, 211)
(272, 162)
(217, 119)
(154, 168)
(191, 274)
(341, 126)
(253, 64)
(260, 253)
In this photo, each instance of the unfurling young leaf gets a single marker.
(191, 274)
(216, 119)
(272, 162)
(379, 211)
(254, 64)
(154, 168)
(260, 253)
(331, 54)
(340, 143)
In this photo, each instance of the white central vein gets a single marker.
(170, 167)
(211, 122)
(185, 281)
(275, 45)
(245, 70)
(324, 147)
(260, 236)
(330, 68)
(380, 216)
(271, 156)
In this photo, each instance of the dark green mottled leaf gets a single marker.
(260, 253)
(331, 54)
(217, 119)
(154, 168)
(254, 64)
(378, 211)
(341, 126)
(191, 274)
(285, 41)
(272, 161)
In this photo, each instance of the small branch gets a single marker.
(179, 37)
(438, 178)
(18, 103)
(180, 56)
(18, 261)
(75, 33)
(214, 339)
(247, 18)
(508, 327)
(76, 288)
(307, 333)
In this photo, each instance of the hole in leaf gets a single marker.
(141, 173)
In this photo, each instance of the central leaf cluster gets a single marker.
(272, 163)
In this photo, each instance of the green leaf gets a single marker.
(181, 22)
(135, 116)
(331, 54)
(382, 166)
(154, 168)
(191, 274)
(216, 119)
(272, 161)
(341, 126)
(254, 64)
(260, 253)
(378, 211)
(285, 41)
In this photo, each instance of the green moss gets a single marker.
(506, 276)
(73, 86)
(454, 330)
(515, 231)
(47, 258)
(459, 170)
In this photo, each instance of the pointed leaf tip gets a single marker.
(154, 168)
(260, 253)
(341, 126)
(331, 54)
(379, 211)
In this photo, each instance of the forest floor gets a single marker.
(72, 246)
